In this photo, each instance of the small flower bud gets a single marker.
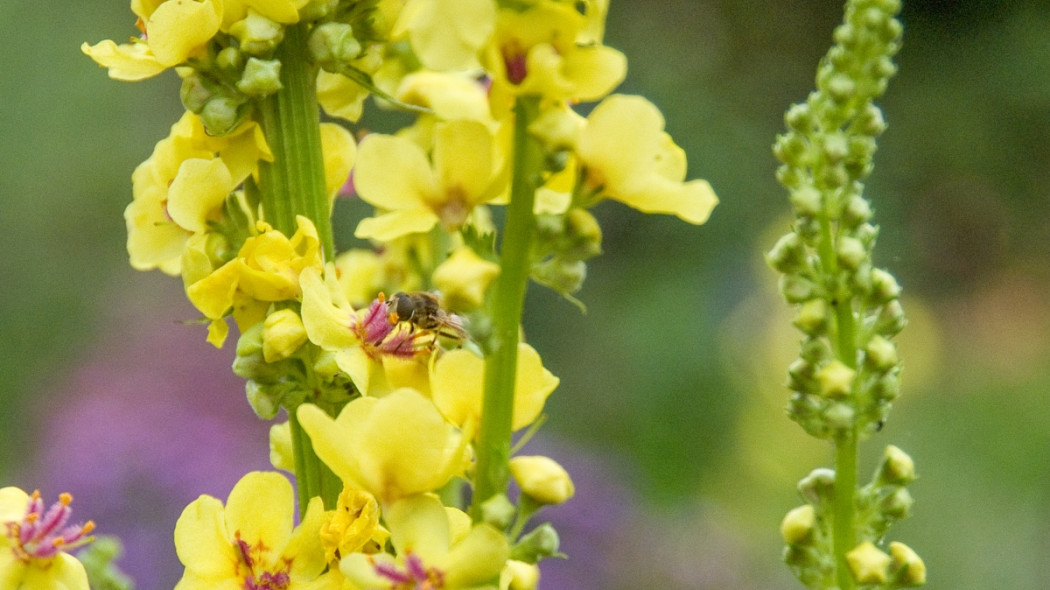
(796, 289)
(333, 43)
(797, 526)
(790, 148)
(498, 511)
(835, 146)
(539, 543)
(857, 211)
(256, 34)
(817, 487)
(870, 121)
(840, 416)
(909, 567)
(799, 118)
(564, 276)
(542, 479)
(868, 563)
(836, 379)
(518, 575)
(317, 9)
(260, 78)
(897, 505)
(812, 317)
(807, 201)
(887, 387)
(881, 353)
(283, 334)
(835, 176)
(230, 59)
(194, 93)
(841, 87)
(220, 115)
(851, 252)
(891, 319)
(896, 467)
(884, 286)
(584, 233)
(788, 255)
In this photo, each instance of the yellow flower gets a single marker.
(457, 384)
(395, 175)
(551, 50)
(34, 542)
(250, 542)
(175, 31)
(181, 188)
(429, 554)
(376, 354)
(447, 34)
(265, 270)
(339, 150)
(463, 278)
(353, 526)
(285, 12)
(626, 155)
(391, 447)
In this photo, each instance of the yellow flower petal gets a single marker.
(463, 163)
(202, 541)
(198, 191)
(129, 62)
(177, 29)
(339, 149)
(447, 34)
(393, 173)
(260, 507)
(327, 324)
(395, 224)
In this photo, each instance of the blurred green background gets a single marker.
(674, 376)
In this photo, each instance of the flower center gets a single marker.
(41, 535)
(260, 580)
(414, 576)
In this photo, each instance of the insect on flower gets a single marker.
(421, 310)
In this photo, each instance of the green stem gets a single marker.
(844, 505)
(294, 184)
(493, 446)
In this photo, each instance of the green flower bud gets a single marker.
(194, 93)
(796, 289)
(851, 252)
(857, 211)
(881, 354)
(585, 234)
(896, 468)
(790, 148)
(886, 388)
(870, 121)
(815, 350)
(257, 35)
(818, 487)
(230, 60)
(835, 146)
(317, 9)
(333, 44)
(220, 115)
(840, 416)
(896, 505)
(797, 526)
(788, 255)
(884, 286)
(890, 320)
(812, 317)
(260, 78)
(807, 201)
(868, 563)
(539, 543)
(799, 118)
(836, 379)
(908, 566)
(835, 176)
(498, 511)
(841, 87)
(564, 276)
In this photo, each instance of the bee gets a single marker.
(421, 310)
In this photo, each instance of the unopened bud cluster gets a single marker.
(847, 374)
(807, 533)
(244, 64)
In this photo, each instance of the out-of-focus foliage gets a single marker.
(677, 367)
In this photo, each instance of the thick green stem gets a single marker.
(493, 447)
(294, 184)
(845, 535)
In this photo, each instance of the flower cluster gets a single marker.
(400, 366)
(847, 374)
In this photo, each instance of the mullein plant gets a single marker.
(400, 367)
(848, 310)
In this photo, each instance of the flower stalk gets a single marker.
(493, 447)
